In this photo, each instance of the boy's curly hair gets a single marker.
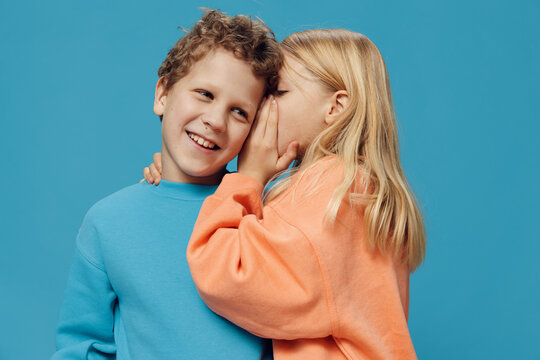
(251, 41)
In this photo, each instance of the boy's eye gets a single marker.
(281, 92)
(240, 112)
(205, 93)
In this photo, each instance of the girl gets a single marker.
(322, 265)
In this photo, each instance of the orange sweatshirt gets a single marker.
(280, 271)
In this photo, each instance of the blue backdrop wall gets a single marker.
(76, 124)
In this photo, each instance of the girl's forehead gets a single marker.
(293, 69)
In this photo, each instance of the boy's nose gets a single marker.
(216, 120)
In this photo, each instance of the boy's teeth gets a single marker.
(199, 140)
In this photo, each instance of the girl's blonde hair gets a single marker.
(363, 139)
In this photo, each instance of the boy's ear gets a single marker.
(160, 97)
(338, 103)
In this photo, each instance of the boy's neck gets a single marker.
(173, 174)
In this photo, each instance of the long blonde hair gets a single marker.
(363, 139)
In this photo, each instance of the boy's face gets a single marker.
(207, 116)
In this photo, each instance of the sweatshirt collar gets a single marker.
(183, 190)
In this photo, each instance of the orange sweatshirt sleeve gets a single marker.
(256, 268)
(281, 271)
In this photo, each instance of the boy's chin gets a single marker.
(204, 173)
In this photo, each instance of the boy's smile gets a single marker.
(207, 144)
(207, 116)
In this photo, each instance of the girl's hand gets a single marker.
(152, 173)
(259, 157)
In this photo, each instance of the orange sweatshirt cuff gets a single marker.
(234, 182)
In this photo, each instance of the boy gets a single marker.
(130, 293)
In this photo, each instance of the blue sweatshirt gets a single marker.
(130, 294)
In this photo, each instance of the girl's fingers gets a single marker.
(147, 176)
(157, 162)
(154, 171)
(268, 114)
(272, 123)
(156, 175)
(286, 159)
(260, 121)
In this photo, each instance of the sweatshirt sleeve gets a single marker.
(256, 268)
(85, 329)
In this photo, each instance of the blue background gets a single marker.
(76, 90)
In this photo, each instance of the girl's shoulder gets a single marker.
(328, 168)
(328, 172)
(319, 179)
(316, 184)
(324, 176)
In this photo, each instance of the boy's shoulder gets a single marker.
(121, 197)
(105, 217)
(119, 202)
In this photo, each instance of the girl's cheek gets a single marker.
(285, 133)
(283, 142)
(282, 133)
